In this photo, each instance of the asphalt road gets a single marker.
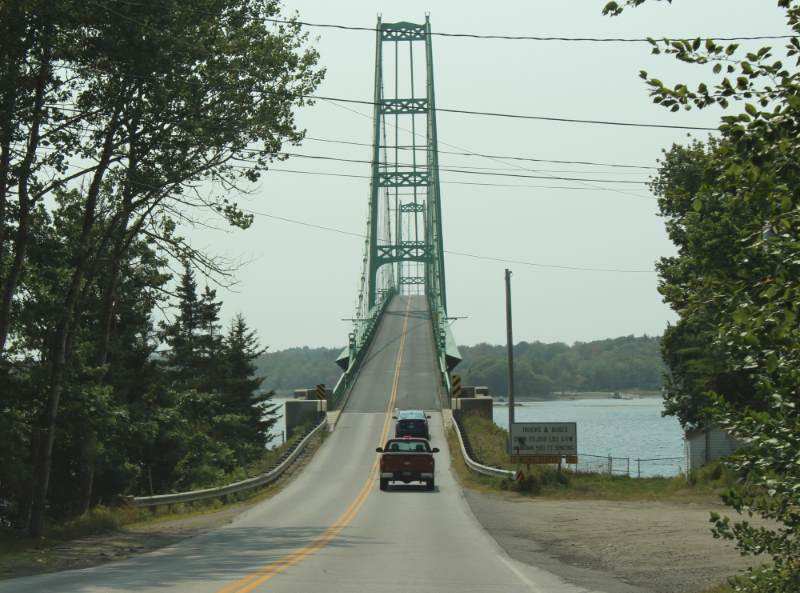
(331, 529)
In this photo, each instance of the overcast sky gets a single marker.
(300, 282)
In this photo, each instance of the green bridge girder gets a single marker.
(403, 249)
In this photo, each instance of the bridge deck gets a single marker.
(418, 380)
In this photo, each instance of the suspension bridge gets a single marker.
(330, 529)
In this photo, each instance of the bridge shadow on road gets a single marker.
(218, 557)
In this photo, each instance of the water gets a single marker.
(616, 427)
(279, 428)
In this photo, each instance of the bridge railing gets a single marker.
(235, 487)
(364, 333)
(447, 353)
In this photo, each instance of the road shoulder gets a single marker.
(660, 547)
(140, 538)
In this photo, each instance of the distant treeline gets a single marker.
(605, 365)
(297, 368)
(539, 369)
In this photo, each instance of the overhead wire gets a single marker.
(359, 113)
(495, 156)
(466, 171)
(505, 37)
(459, 253)
(570, 120)
(536, 37)
(468, 183)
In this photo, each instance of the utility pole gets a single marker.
(510, 346)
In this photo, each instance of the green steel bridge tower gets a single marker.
(403, 249)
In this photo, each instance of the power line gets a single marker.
(500, 114)
(530, 117)
(492, 156)
(447, 182)
(505, 37)
(441, 166)
(535, 37)
(458, 253)
(459, 170)
(364, 115)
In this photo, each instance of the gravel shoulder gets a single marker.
(655, 547)
(138, 538)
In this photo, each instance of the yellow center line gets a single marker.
(249, 582)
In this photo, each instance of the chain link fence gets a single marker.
(634, 467)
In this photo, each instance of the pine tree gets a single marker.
(184, 356)
(241, 393)
(209, 342)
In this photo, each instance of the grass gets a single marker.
(15, 546)
(489, 446)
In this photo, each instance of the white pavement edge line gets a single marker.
(254, 482)
(552, 583)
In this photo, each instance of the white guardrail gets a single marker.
(479, 467)
(254, 482)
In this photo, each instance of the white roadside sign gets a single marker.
(544, 438)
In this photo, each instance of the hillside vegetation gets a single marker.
(298, 368)
(604, 365)
(625, 363)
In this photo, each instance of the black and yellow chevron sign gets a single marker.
(321, 391)
(456, 381)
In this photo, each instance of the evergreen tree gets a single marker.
(183, 356)
(241, 391)
(209, 342)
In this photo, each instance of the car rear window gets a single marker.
(416, 425)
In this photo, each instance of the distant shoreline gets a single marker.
(578, 395)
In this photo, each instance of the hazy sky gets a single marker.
(300, 282)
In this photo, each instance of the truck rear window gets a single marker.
(408, 447)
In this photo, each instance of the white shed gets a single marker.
(703, 445)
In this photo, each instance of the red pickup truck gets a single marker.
(407, 460)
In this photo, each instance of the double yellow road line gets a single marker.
(255, 579)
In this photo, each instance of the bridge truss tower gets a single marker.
(403, 248)
(404, 251)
